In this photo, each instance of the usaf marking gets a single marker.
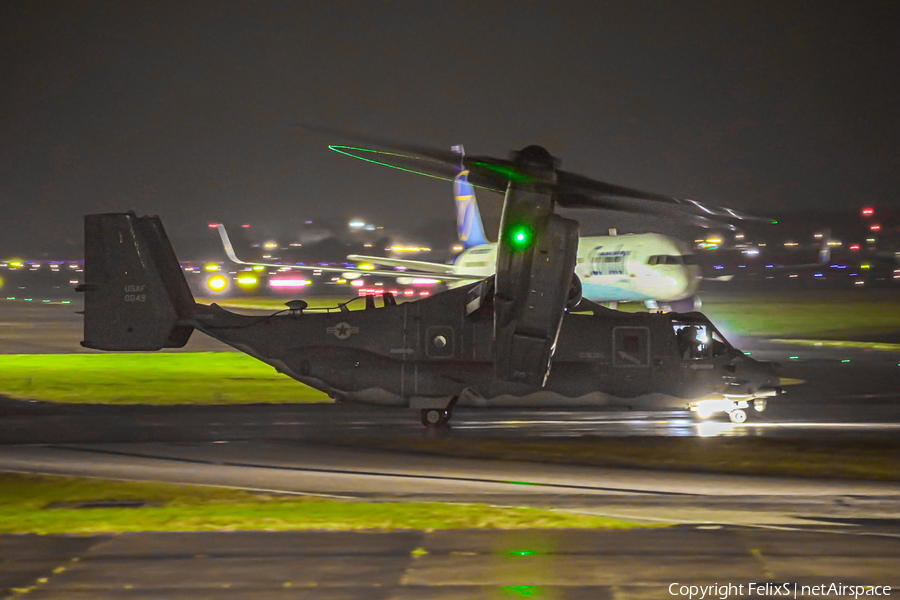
(342, 331)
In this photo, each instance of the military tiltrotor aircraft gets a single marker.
(523, 337)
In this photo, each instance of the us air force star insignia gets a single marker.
(342, 330)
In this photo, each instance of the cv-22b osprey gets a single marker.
(523, 337)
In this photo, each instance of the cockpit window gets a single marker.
(697, 341)
(664, 259)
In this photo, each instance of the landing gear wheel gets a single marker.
(433, 417)
(737, 416)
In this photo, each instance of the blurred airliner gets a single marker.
(646, 267)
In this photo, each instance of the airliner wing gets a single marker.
(229, 251)
(420, 265)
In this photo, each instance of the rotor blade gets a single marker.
(494, 174)
(577, 191)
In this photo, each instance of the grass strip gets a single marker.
(23, 499)
(878, 346)
(836, 314)
(149, 378)
(840, 459)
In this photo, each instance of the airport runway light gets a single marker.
(288, 283)
(259, 268)
(868, 212)
(211, 267)
(356, 224)
(217, 283)
(247, 282)
(245, 226)
(212, 225)
(357, 283)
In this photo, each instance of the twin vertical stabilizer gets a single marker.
(135, 291)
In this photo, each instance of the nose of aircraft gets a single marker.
(757, 374)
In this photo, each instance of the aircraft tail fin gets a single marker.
(136, 296)
(469, 227)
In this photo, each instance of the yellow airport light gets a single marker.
(211, 267)
(217, 283)
(247, 282)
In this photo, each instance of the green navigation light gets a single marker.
(519, 237)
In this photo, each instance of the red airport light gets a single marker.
(868, 212)
(875, 227)
(212, 225)
(245, 226)
(854, 247)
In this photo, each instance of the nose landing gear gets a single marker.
(737, 416)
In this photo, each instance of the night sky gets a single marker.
(184, 109)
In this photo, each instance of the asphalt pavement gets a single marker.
(594, 565)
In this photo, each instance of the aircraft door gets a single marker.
(631, 359)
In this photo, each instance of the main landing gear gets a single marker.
(435, 417)
(438, 417)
